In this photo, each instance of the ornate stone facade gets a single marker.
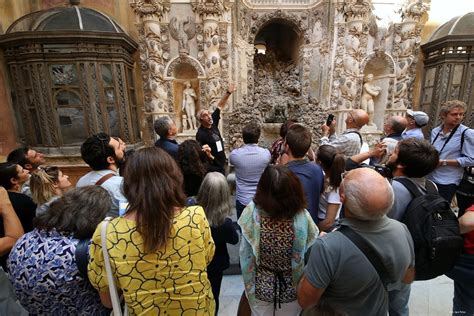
(316, 70)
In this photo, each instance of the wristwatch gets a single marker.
(444, 162)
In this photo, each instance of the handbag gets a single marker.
(116, 304)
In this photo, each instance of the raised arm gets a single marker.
(223, 100)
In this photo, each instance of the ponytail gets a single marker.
(336, 170)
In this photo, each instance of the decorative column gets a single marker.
(351, 39)
(149, 14)
(406, 45)
(213, 48)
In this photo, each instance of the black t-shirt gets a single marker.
(210, 136)
(222, 235)
(25, 209)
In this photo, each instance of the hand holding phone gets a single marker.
(330, 119)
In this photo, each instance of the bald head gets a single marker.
(366, 194)
(395, 124)
(360, 118)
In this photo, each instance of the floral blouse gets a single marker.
(43, 272)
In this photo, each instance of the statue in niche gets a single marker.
(369, 92)
(182, 31)
(189, 106)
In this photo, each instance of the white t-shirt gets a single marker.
(329, 196)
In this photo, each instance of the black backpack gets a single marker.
(435, 231)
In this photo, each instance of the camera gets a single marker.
(384, 171)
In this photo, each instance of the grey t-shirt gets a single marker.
(351, 283)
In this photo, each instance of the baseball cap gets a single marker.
(421, 118)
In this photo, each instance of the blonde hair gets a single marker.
(214, 196)
(43, 184)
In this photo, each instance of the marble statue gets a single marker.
(189, 106)
(367, 101)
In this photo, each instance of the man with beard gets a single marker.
(208, 132)
(104, 154)
(412, 159)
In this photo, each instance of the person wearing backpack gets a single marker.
(455, 144)
(411, 161)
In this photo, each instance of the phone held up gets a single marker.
(330, 119)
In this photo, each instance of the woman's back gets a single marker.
(45, 277)
(172, 279)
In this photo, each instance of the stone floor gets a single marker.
(428, 298)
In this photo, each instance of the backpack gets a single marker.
(435, 231)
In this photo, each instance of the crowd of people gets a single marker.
(322, 228)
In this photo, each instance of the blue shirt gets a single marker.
(413, 133)
(312, 178)
(249, 161)
(168, 145)
(452, 150)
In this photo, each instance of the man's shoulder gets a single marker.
(93, 176)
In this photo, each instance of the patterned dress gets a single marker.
(44, 274)
(170, 281)
(293, 239)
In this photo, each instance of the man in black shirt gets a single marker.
(208, 133)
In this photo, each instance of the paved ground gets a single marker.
(428, 298)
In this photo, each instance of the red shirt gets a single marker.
(469, 237)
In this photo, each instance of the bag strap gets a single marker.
(447, 140)
(110, 278)
(82, 258)
(462, 137)
(360, 136)
(104, 178)
(369, 252)
(410, 186)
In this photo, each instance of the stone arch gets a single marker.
(184, 59)
(292, 20)
(381, 56)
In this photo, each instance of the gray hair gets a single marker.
(213, 196)
(162, 125)
(77, 212)
(199, 114)
(358, 200)
(448, 106)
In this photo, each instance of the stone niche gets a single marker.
(381, 67)
(184, 73)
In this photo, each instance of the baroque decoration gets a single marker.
(338, 44)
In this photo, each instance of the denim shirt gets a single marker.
(452, 150)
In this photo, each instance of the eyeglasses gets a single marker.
(103, 139)
(352, 116)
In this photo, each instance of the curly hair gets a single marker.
(191, 158)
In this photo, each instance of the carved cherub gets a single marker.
(182, 31)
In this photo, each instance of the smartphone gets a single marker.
(330, 119)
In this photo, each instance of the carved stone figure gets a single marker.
(182, 31)
(369, 92)
(189, 105)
